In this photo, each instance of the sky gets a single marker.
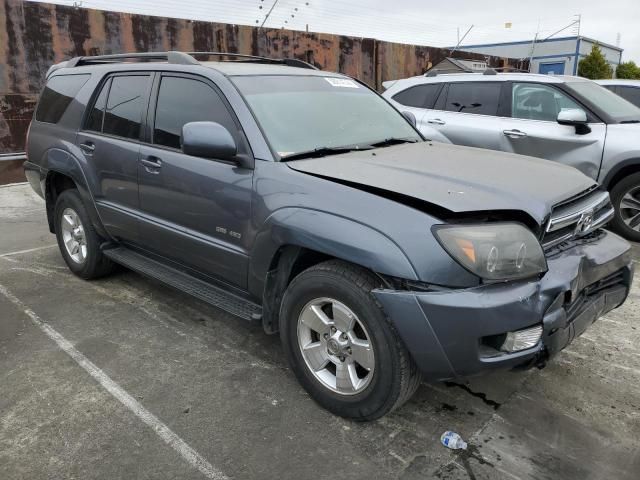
(425, 22)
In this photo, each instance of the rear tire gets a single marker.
(378, 380)
(78, 241)
(625, 196)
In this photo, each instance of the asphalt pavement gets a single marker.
(126, 378)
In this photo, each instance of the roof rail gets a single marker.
(180, 58)
(510, 69)
(170, 57)
(290, 62)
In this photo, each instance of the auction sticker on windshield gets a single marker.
(342, 82)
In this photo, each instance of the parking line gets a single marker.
(28, 250)
(165, 433)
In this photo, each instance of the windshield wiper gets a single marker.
(630, 121)
(391, 141)
(322, 152)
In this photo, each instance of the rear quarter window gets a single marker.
(419, 96)
(57, 95)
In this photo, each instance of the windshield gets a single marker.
(312, 113)
(613, 105)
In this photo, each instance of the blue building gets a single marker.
(558, 56)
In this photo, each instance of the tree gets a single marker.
(594, 65)
(628, 70)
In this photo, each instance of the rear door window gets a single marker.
(125, 105)
(419, 96)
(630, 94)
(183, 100)
(96, 115)
(481, 98)
(57, 95)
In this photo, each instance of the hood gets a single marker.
(458, 179)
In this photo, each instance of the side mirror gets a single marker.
(208, 140)
(411, 117)
(575, 117)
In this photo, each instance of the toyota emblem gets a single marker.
(584, 223)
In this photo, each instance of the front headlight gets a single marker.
(494, 251)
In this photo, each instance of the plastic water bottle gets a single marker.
(453, 441)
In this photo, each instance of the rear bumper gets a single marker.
(446, 332)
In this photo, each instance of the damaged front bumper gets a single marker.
(456, 333)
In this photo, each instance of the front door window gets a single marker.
(531, 101)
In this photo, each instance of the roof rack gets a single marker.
(510, 70)
(289, 62)
(434, 72)
(180, 58)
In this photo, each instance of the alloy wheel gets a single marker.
(73, 235)
(630, 208)
(335, 345)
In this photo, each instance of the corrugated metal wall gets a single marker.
(35, 35)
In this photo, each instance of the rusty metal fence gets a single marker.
(34, 35)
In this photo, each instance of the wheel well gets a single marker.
(622, 173)
(56, 183)
(305, 259)
(288, 262)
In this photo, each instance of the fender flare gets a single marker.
(328, 234)
(57, 161)
(629, 163)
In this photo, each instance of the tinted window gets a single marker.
(539, 102)
(182, 100)
(94, 121)
(124, 106)
(473, 97)
(57, 96)
(420, 96)
(631, 94)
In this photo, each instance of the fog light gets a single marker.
(522, 339)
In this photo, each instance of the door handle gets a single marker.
(151, 164)
(88, 147)
(436, 121)
(514, 133)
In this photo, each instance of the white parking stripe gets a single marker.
(164, 432)
(28, 250)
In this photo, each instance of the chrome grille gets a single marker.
(578, 217)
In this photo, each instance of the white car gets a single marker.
(627, 89)
(567, 119)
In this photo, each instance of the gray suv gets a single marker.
(301, 199)
(568, 119)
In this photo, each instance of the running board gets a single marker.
(211, 294)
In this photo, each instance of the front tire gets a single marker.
(340, 344)
(625, 196)
(78, 241)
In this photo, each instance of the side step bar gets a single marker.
(211, 294)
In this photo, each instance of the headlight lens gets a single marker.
(495, 251)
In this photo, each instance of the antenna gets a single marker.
(266, 17)
(460, 41)
(578, 23)
(575, 23)
(533, 45)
